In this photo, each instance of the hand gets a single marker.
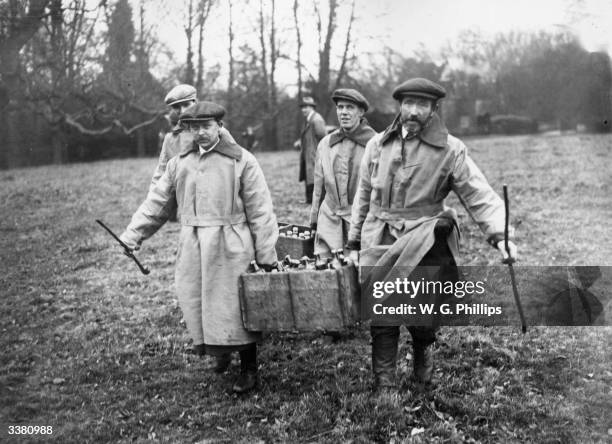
(297, 145)
(269, 267)
(133, 246)
(513, 252)
(354, 257)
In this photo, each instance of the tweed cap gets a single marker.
(308, 101)
(351, 95)
(419, 87)
(180, 93)
(203, 111)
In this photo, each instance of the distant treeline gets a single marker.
(76, 84)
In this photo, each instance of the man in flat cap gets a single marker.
(227, 220)
(399, 218)
(336, 172)
(178, 99)
(313, 131)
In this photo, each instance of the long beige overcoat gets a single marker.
(336, 177)
(227, 220)
(402, 188)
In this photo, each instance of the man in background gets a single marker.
(313, 131)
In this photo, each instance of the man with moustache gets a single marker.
(227, 220)
(399, 218)
(313, 131)
(336, 172)
(178, 100)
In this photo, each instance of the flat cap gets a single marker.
(351, 95)
(419, 87)
(308, 101)
(180, 93)
(202, 111)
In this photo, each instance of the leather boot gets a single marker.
(198, 350)
(222, 363)
(248, 378)
(423, 362)
(384, 357)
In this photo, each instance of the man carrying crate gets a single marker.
(336, 172)
(227, 220)
(399, 218)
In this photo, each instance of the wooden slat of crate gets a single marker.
(351, 297)
(317, 300)
(262, 294)
(304, 300)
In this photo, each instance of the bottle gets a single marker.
(254, 268)
(303, 263)
(306, 263)
(290, 263)
(335, 263)
(320, 263)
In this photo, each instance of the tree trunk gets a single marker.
(189, 69)
(272, 88)
(22, 28)
(230, 79)
(200, 75)
(141, 149)
(323, 86)
(59, 146)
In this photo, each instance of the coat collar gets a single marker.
(360, 135)
(176, 129)
(434, 134)
(225, 147)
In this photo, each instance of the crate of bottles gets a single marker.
(301, 295)
(294, 240)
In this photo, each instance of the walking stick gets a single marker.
(126, 250)
(510, 260)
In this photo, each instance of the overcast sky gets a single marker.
(403, 25)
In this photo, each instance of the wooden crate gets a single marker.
(294, 247)
(304, 300)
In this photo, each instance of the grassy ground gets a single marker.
(97, 350)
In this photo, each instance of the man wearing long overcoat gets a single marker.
(336, 172)
(399, 217)
(227, 220)
(313, 131)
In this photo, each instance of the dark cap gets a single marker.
(202, 111)
(180, 93)
(351, 95)
(419, 87)
(308, 101)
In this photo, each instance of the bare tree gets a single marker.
(298, 38)
(189, 28)
(204, 8)
(268, 59)
(231, 74)
(21, 21)
(341, 71)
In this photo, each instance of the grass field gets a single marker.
(96, 350)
